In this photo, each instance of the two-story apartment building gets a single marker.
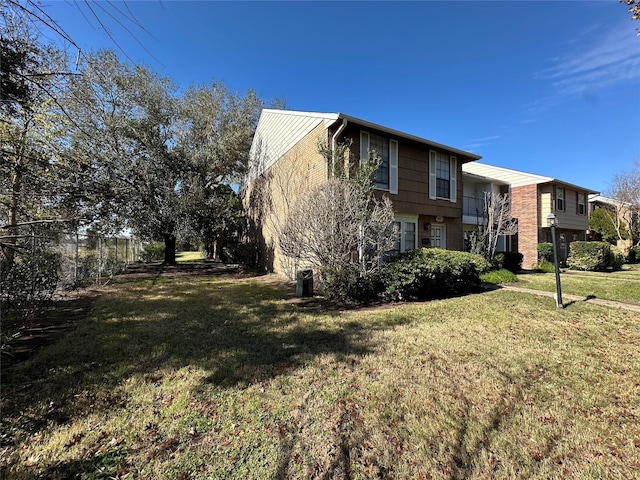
(533, 198)
(422, 178)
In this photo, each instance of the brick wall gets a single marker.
(525, 206)
(269, 198)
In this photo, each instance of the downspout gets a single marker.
(334, 145)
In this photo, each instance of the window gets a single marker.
(379, 146)
(442, 176)
(581, 208)
(559, 198)
(407, 229)
(386, 176)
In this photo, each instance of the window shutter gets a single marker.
(453, 173)
(393, 166)
(364, 146)
(432, 175)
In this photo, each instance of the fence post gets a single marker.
(33, 262)
(99, 258)
(75, 271)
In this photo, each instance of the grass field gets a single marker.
(622, 286)
(200, 377)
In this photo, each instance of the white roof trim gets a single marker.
(515, 178)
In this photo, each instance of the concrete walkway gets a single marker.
(575, 298)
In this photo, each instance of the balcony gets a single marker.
(473, 206)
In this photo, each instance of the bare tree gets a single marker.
(336, 226)
(497, 222)
(625, 189)
(341, 224)
(634, 9)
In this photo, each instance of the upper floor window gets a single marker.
(386, 176)
(559, 198)
(442, 176)
(581, 205)
(379, 146)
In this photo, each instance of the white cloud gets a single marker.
(614, 57)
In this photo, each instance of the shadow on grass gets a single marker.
(238, 332)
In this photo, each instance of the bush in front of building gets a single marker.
(497, 277)
(348, 283)
(592, 256)
(634, 255)
(432, 273)
(545, 252)
(511, 261)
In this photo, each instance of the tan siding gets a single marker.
(270, 197)
(413, 185)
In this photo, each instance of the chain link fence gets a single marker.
(36, 264)
(94, 258)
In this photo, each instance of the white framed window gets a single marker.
(442, 176)
(581, 208)
(407, 233)
(560, 198)
(386, 176)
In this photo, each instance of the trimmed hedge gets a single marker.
(634, 255)
(594, 256)
(432, 273)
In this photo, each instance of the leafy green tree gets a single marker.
(33, 185)
(215, 137)
(607, 225)
(125, 138)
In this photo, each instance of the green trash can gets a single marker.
(304, 283)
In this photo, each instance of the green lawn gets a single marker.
(198, 377)
(622, 286)
(189, 257)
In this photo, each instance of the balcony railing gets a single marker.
(473, 206)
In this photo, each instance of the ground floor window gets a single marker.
(407, 228)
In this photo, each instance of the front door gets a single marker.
(439, 236)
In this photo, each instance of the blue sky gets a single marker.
(551, 88)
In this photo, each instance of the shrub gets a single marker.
(30, 281)
(616, 259)
(430, 273)
(544, 267)
(347, 283)
(499, 276)
(511, 261)
(593, 256)
(153, 252)
(634, 255)
(545, 252)
(245, 254)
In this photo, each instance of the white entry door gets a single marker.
(439, 236)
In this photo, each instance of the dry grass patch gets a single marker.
(203, 378)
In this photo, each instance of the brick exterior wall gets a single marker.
(525, 205)
(269, 198)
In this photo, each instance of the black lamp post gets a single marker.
(552, 222)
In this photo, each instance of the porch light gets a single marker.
(552, 222)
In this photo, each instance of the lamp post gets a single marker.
(552, 222)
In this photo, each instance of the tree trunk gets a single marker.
(169, 248)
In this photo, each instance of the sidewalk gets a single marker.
(575, 298)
